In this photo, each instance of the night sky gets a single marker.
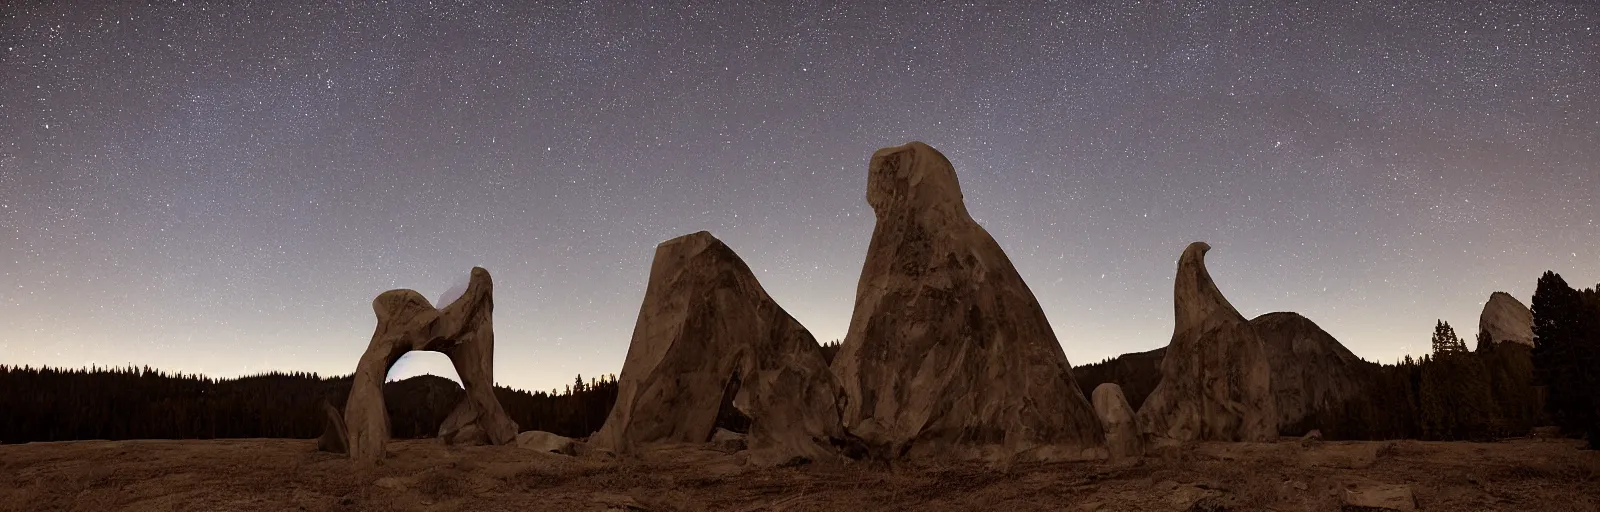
(223, 187)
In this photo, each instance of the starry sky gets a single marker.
(223, 187)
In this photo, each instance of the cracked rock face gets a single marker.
(1505, 319)
(948, 354)
(1216, 379)
(706, 330)
(463, 331)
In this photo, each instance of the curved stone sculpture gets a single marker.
(707, 330)
(464, 331)
(1123, 436)
(1505, 319)
(948, 353)
(1216, 381)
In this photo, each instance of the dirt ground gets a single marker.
(288, 474)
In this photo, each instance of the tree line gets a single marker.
(55, 404)
(1499, 390)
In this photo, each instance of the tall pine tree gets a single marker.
(1566, 354)
(1455, 393)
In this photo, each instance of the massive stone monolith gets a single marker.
(948, 354)
(1312, 373)
(1216, 380)
(1505, 319)
(1123, 436)
(707, 329)
(463, 331)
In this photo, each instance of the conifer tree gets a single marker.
(1455, 393)
(1566, 354)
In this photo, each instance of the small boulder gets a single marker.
(1379, 497)
(1311, 438)
(468, 435)
(1123, 437)
(728, 441)
(541, 441)
(618, 502)
(391, 483)
(1191, 497)
(1351, 455)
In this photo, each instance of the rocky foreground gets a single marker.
(286, 474)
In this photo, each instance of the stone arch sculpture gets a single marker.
(462, 331)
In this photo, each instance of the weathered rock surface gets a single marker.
(461, 427)
(948, 354)
(1123, 437)
(706, 330)
(728, 441)
(541, 441)
(1216, 379)
(1344, 455)
(1379, 498)
(1311, 371)
(1505, 319)
(463, 331)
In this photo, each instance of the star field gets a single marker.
(223, 187)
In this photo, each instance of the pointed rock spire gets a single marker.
(1216, 381)
(948, 353)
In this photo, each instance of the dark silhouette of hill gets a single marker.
(1137, 373)
(1456, 395)
(53, 404)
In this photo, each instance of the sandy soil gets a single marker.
(286, 474)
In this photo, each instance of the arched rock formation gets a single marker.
(463, 331)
